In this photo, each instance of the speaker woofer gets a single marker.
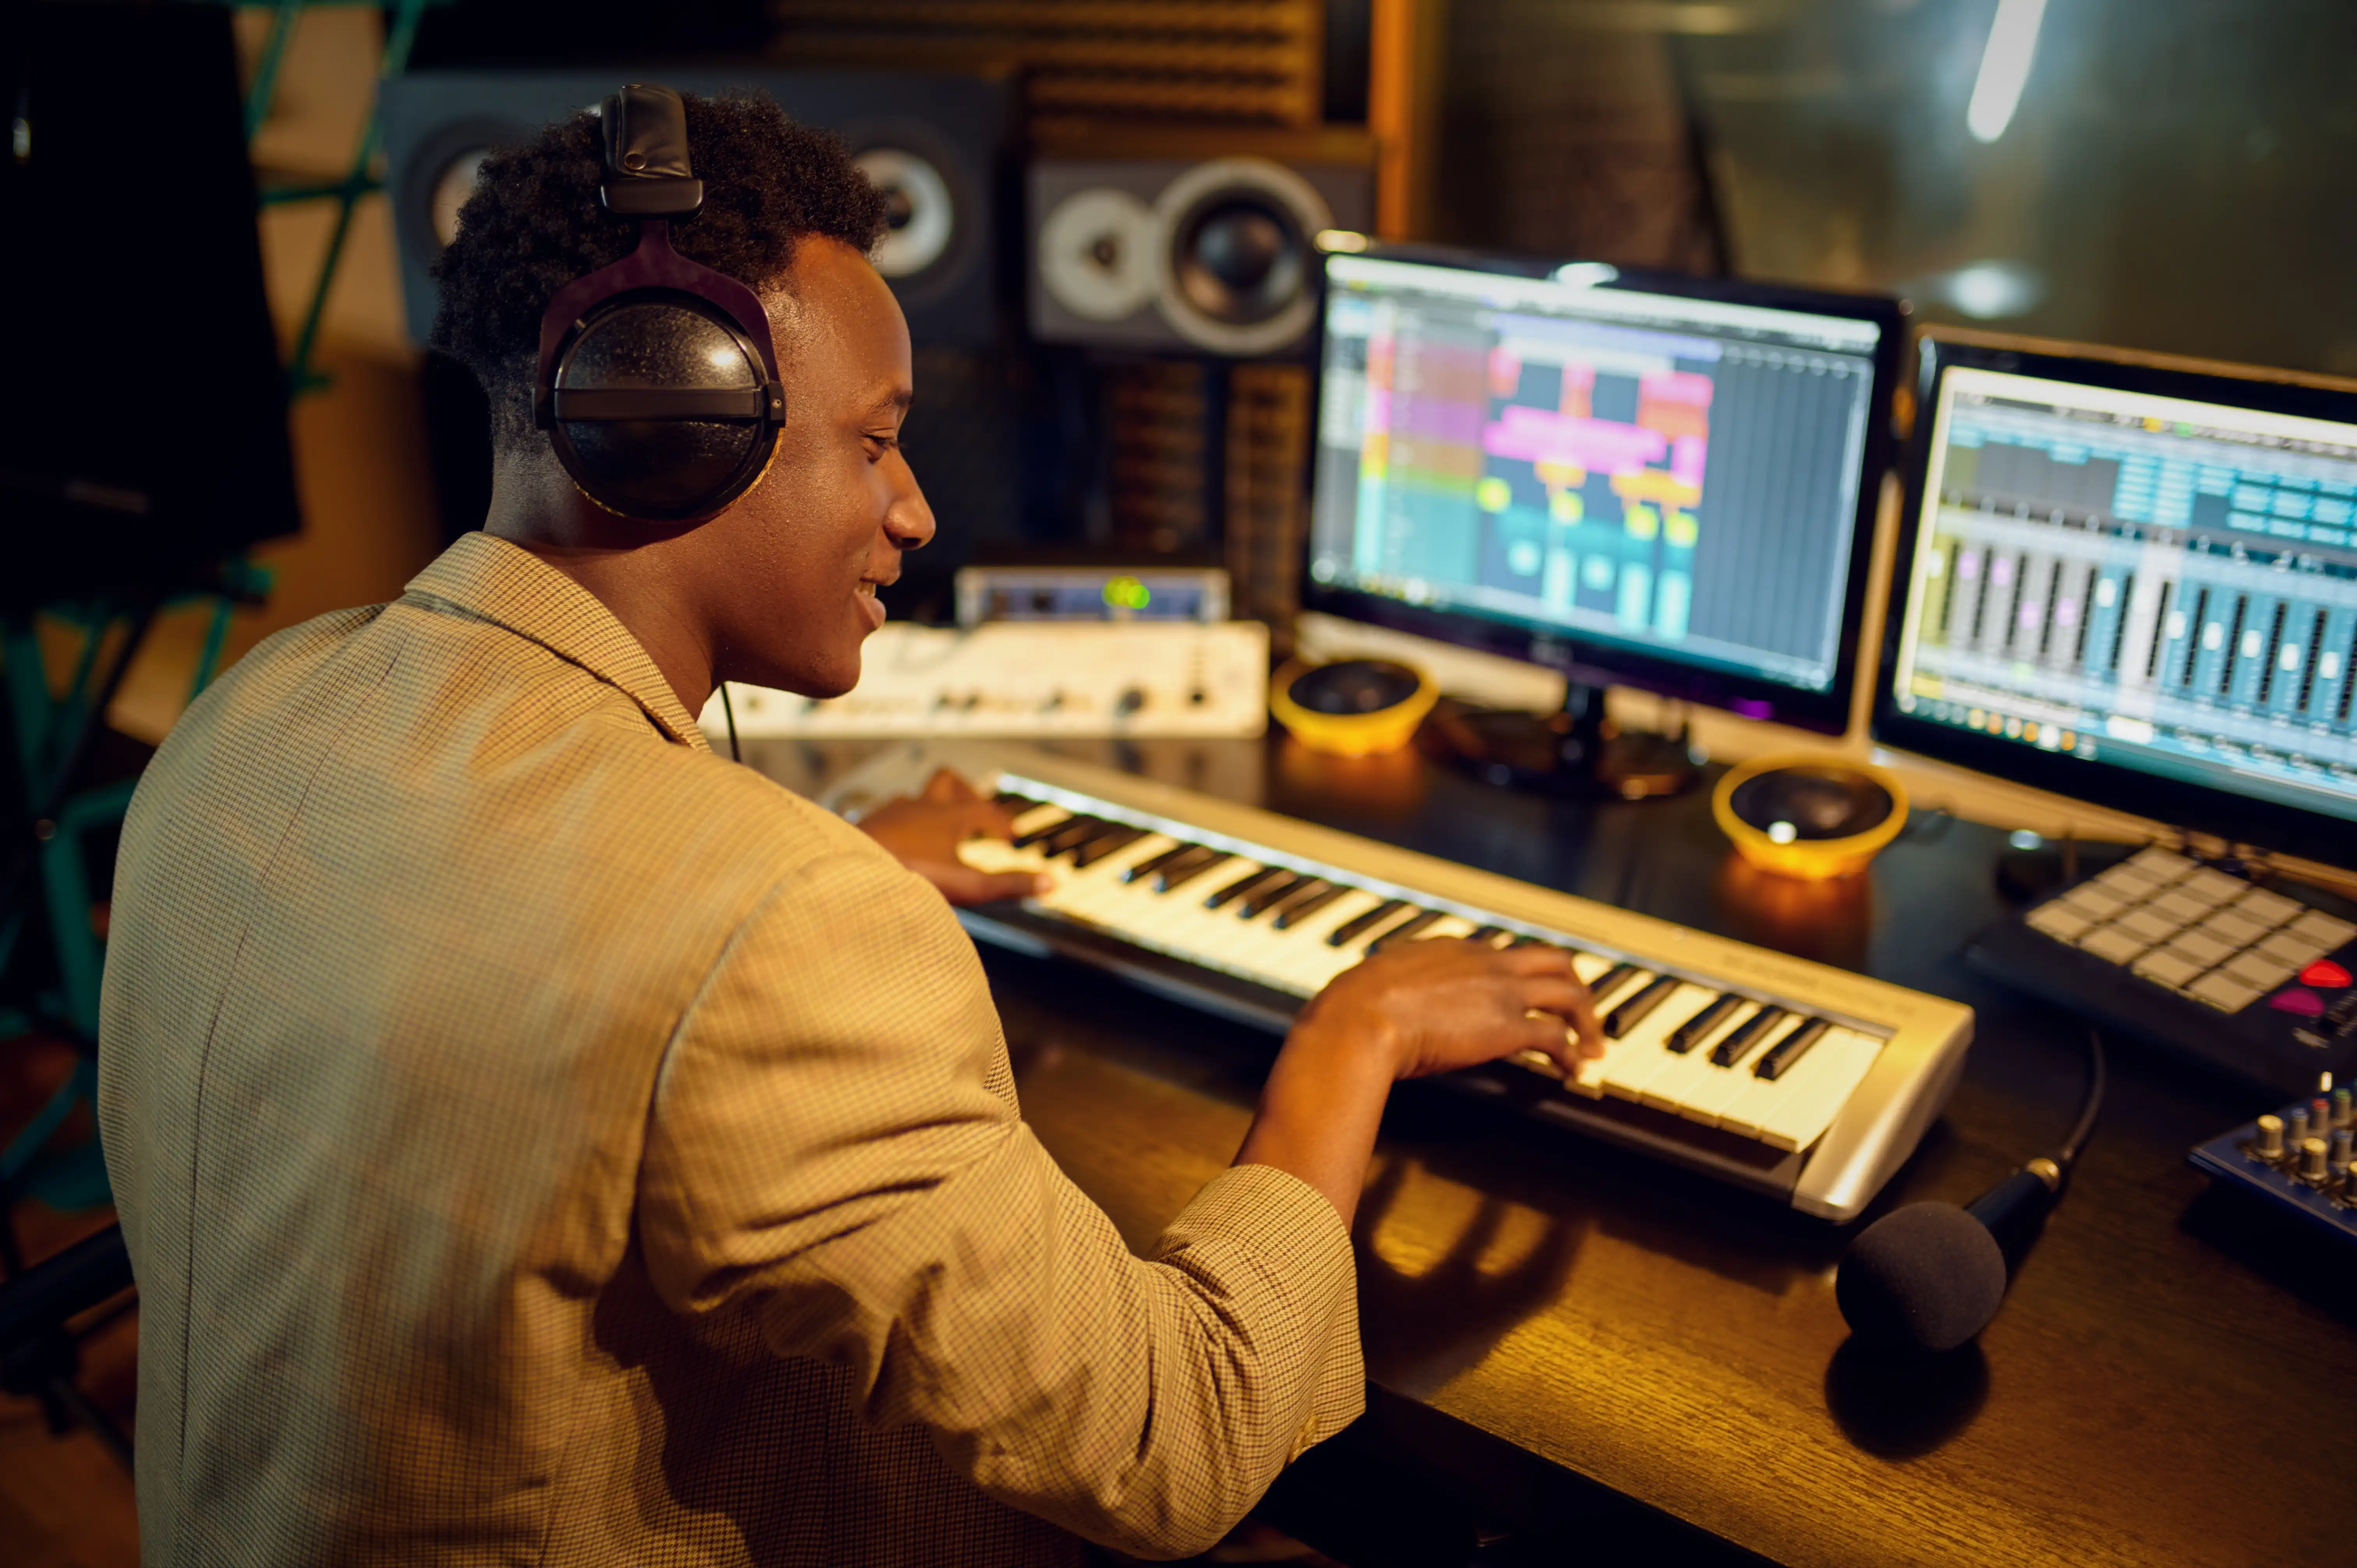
(1236, 261)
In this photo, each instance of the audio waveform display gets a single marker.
(1687, 489)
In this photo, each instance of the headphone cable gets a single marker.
(729, 709)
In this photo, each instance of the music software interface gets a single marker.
(1676, 476)
(2166, 586)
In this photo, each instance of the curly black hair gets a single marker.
(534, 223)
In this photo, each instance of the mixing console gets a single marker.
(2299, 1158)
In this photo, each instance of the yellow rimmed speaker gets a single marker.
(1353, 707)
(1811, 817)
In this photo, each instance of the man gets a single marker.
(540, 1140)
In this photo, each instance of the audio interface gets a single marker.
(1032, 680)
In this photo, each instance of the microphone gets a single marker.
(1930, 1276)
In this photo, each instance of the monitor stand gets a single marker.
(1574, 751)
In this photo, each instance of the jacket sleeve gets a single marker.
(834, 1148)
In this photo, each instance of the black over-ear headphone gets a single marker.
(658, 381)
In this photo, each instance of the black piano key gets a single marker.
(1634, 1011)
(1269, 894)
(1179, 872)
(1103, 844)
(1405, 932)
(1153, 864)
(1247, 883)
(1036, 835)
(1350, 930)
(1075, 833)
(1014, 805)
(1309, 904)
(1601, 988)
(1690, 1034)
(1488, 935)
(1791, 1049)
(1528, 941)
(1737, 1046)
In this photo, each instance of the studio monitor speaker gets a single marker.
(1213, 255)
(934, 143)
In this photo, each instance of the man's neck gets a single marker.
(638, 574)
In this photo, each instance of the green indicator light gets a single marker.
(1125, 593)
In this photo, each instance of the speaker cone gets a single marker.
(1239, 234)
(917, 207)
(451, 189)
(1097, 253)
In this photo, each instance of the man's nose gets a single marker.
(909, 521)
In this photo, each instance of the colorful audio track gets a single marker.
(1675, 483)
(2096, 582)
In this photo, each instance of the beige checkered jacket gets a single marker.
(541, 1141)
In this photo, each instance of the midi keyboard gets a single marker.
(1785, 1076)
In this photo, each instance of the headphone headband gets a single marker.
(647, 174)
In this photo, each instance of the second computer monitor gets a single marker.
(1656, 481)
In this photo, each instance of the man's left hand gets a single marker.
(924, 833)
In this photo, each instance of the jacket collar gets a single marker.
(485, 576)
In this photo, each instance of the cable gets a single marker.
(2068, 1155)
(729, 709)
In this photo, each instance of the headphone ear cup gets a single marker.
(660, 407)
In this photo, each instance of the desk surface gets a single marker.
(1557, 1329)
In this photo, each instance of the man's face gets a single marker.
(805, 550)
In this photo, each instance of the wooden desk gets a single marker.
(1568, 1341)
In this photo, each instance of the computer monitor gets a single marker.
(1638, 479)
(2132, 581)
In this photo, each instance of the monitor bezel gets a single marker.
(1597, 662)
(2199, 808)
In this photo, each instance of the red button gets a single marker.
(2303, 1003)
(2326, 974)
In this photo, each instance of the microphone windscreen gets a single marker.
(1926, 1277)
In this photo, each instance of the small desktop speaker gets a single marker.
(1809, 817)
(1214, 255)
(935, 143)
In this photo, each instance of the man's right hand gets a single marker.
(1421, 1007)
(1439, 1005)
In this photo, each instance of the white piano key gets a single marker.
(1091, 888)
(1299, 958)
(1037, 816)
(1447, 926)
(1635, 1061)
(1590, 1077)
(1817, 1089)
(1711, 1095)
(1670, 1088)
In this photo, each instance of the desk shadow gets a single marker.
(2287, 1249)
(1902, 1406)
(1496, 1146)
(1436, 1323)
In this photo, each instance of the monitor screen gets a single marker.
(1658, 481)
(2135, 582)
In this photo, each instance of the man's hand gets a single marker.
(1433, 1006)
(924, 833)
(1418, 1008)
